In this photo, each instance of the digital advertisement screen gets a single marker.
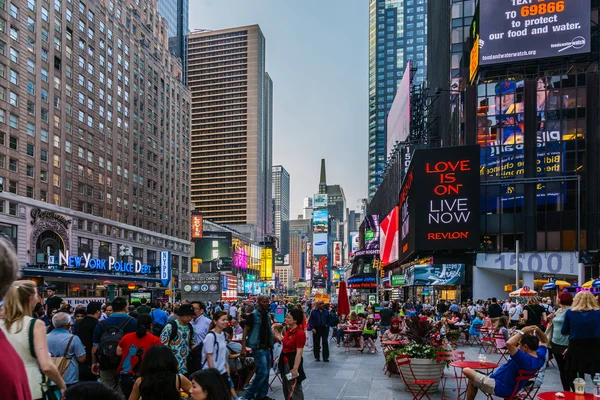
(501, 134)
(309, 254)
(371, 227)
(320, 200)
(354, 242)
(388, 238)
(515, 30)
(435, 275)
(197, 226)
(448, 186)
(320, 221)
(214, 248)
(337, 254)
(319, 244)
(398, 120)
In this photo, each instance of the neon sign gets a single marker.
(86, 261)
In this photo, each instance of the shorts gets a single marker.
(484, 383)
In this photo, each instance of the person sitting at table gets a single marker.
(487, 322)
(502, 327)
(244, 367)
(527, 352)
(338, 331)
(370, 332)
(355, 324)
(477, 322)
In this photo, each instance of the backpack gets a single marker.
(156, 328)
(174, 330)
(109, 341)
(195, 361)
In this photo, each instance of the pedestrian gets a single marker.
(159, 319)
(319, 322)
(178, 335)
(61, 343)
(19, 327)
(233, 311)
(494, 310)
(131, 349)
(582, 325)
(200, 322)
(558, 341)
(79, 316)
(91, 391)
(160, 378)
(207, 384)
(107, 311)
(290, 360)
(85, 332)
(53, 302)
(514, 314)
(214, 350)
(107, 335)
(258, 336)
(13, 377)
(386, 315)
(534, 314)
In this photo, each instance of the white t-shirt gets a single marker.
(233, 311)
(219, 351)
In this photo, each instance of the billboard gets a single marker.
(320, 200)
(398, 120)
(214, 248)
(201, 287)
(501, 134)
(320, 221)
(309, 254)
(320, 244)
(337, 254)
(308, 274)
(518, 30)
(371, 227)
(388, 237)
(197, 224)
(435, 275)
(266, 263)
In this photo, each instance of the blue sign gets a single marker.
(165, 268)
(86, 261)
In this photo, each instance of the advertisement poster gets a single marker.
(501, 134)
(371, 226)
(320, 221)
(309, 254)
(518, 30)
(319, 282)
(435, 275)
(337, 254)
(320, 201)
(388, 237)
(320, 244)
(398, 120)
(197, 226)
(354, 242)
(308, 274)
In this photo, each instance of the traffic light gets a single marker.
(381, 273)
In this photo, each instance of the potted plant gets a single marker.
(424, 337)
(390, 361)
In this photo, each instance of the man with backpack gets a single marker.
(107, 335)
(159, 319)
(179, 336)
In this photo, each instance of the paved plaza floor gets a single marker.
(361, 376)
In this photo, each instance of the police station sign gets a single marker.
(86, 261)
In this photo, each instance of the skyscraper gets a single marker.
(281, 207)
(231, 128)
(397, 34)
(177, 14)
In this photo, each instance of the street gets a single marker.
(361, 376)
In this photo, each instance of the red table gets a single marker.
(472, 365)
(351, 336)
(568, 396)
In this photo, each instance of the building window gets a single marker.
(85, 246)
(105, 250)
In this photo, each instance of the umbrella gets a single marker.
(594, 283)
(555, 285)
(523, 292)
(343, 303)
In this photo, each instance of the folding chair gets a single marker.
(450, 356)
(500, 346)
(371, 347)
(528, 391)
(486, 340)
(423, 384)
(276, 376)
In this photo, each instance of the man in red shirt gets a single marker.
(290, 360)
(13, 378)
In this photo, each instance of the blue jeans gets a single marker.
(260, 384)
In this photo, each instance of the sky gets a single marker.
(317, 56)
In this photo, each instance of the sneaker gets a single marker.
(326, 360)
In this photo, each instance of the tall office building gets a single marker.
(397, 34)
(177, 14)
(281, 207)
(231, 128)
(94, 132)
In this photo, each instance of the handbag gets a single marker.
(62, 363)
(549, 332)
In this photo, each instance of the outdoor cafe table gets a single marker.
(349, 339)
(469, 364)
(568, 396)
(391, 344)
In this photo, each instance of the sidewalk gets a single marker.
(361, 376)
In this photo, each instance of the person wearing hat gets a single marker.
(179, 336)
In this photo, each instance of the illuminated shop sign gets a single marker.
(86, 261)
(364, 282)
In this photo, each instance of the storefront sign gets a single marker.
(435, 275)
(362, 282)
(36, 214)
(201, 283)
(87, 262)
(559, 263)
(397, 280)
(84, 301)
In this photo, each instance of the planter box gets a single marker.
(423, 369)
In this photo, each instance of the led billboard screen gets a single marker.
(354, 242)
(214, 248)
(516, 30)
(371, 229)
(398, 120)
(388, 237)
(320, 221)
(319, 244)
(320, 200)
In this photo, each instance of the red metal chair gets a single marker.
(275, 377)
(486, 340)
(525, 392)
(500, 346)
(450, 356)
(423, 384)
